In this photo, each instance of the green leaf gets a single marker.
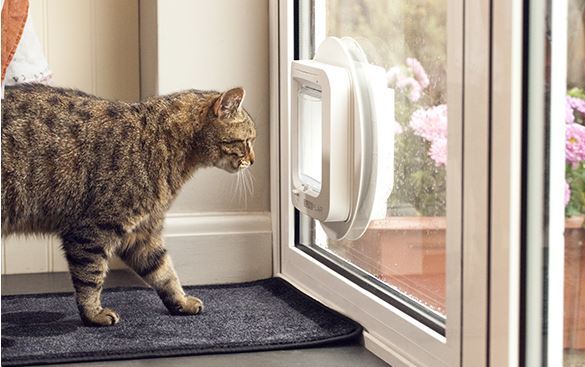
(577, 93)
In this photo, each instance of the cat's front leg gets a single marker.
(147, 256)
(87, 255)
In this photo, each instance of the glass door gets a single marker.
(464, 261)
(402, 255)
(554, 234)
(400, 272)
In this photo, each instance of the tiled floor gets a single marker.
(344, 356)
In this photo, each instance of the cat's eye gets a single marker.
(230, 141)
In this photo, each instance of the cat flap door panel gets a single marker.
(342, 138)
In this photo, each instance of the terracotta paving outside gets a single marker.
(408, 253)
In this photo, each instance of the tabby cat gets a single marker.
(101, 174)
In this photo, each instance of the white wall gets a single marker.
(92, 45)
(214, 45)
(121, 49)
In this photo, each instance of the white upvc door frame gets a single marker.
(475, 187)
(479, 241)
(556, 174)
(543, 249)
(505, 180)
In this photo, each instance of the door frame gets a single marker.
(486, 329)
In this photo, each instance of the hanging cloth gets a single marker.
(14, 16)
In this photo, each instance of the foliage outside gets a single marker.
(409, 40)
(575, 153)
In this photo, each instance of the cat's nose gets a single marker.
(251, 161)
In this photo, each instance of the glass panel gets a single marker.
(555, 145)
(310, 114)
(574, 309)
(403, 253)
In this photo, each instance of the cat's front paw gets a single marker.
(106, 317)
(187, 306)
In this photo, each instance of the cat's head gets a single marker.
(233, 130)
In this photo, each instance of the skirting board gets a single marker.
(206, 248)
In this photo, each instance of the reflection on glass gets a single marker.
(310, 137)
(406, 251)
(574, 326)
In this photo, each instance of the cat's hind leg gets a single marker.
(147, 256)
(87, 250)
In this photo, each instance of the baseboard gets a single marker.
(206, 248)
(184, 225)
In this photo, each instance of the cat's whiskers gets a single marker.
(235, 186)
(239, 190)
(240, 187)
(250, 179)
(245, 187)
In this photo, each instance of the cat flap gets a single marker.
(342, 140)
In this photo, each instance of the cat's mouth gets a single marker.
(244, 164)
(236, 166)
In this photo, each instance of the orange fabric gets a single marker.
(14, 14)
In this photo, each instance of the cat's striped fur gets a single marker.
(101, 174)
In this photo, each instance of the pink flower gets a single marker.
(567, 193)
(569, 116)
(577, 103)
(410, 85)
(418, 71)
(431, 125)
(575, 143)
(397, 128)
(410, 81)
(392, 75)
(438, 151)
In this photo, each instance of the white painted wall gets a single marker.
(123, 49)
(213, 45)
(92, 45)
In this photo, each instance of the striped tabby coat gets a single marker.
(101, 174)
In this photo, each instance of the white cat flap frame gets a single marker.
(342, 138)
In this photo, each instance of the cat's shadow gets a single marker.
(37, 324)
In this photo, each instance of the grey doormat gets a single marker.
(263, 315)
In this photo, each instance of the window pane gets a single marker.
(310, 137)
(574, 309)
(403, 251)
(555, 186)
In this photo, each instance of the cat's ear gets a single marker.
(229, 102)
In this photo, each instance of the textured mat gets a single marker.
(263, 315)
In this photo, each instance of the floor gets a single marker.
(574, 358)
(342, 356)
